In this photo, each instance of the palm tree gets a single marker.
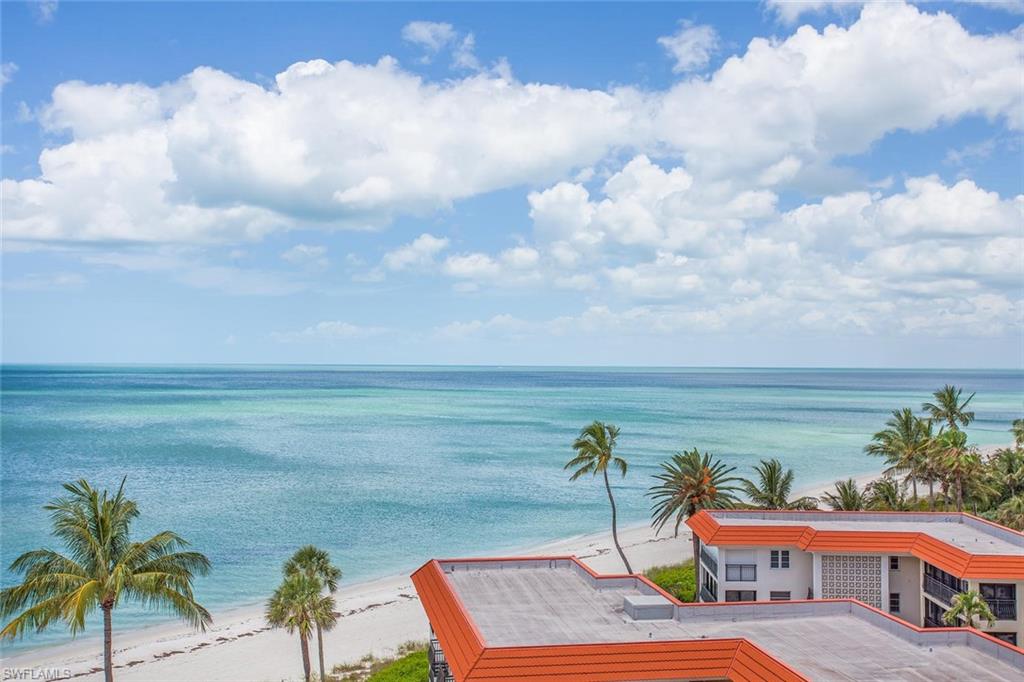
(690, 482)
(904, 444)
(968, 606)
(948, 408)
(299, 605)
(887, 494)
(847, 497)
(316, 563)
(932, 466)
(1011, 513)
(1007, 470)
(1018, 432)
(774, 487)
(102, 568)
(959, 462)
(595, 448)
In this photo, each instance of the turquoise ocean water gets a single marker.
(388, 467)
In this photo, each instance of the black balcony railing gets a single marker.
(709, 561)
(439, 670)
(1004, 609)
(939, 590)
(706, 595)
(932, 623)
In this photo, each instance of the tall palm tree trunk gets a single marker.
(913, 484)
(304, 643)
(108, 649)
(931, 494)
(615, 531)
(959, 493)
(320, 648)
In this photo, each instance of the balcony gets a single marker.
(708, 560)
(439, 670)
(706, 595)
(1004, 609)
(939, 590)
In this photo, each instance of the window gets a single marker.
(992, 591)
(780, 558)
(894, 563)
(894, 602)
(740, 595)
(710, 587)
(741, 572)
(1001, 598)
(779, 596)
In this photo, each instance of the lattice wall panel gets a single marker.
(852, 576)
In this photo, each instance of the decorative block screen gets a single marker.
(852, 576)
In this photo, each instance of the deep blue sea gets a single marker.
(387, 467)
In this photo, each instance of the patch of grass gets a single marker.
(676, 579)
(409, 668)
(409, 664)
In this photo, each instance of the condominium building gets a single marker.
(907, 564)
(553, 619)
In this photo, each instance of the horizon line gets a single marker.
(4, 365)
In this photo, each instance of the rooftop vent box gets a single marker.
(647, 607)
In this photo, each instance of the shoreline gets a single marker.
(377, 615)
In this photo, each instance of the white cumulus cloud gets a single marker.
(691, 46)
(419, 253)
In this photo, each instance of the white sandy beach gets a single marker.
(377, 616)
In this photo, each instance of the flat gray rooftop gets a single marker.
(556, 602)
(971, 535)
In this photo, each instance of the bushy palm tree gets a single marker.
(959, 462)
(316, 563)
(595, 452)
(299, 605)
(688, 483)
(969, 606)
(1010, 513)
(1006, 471)
(904, 443)
(102, 567)
(1018, 432)
(887, 494)
(847, 496)
(773, 487)
(948, 407)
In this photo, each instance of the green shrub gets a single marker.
(409, 668)
(409, 664)
(676, 579)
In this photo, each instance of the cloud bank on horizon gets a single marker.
(729, 202)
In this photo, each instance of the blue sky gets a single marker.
(643, 184)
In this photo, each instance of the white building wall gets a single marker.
(906, 581)
(796, 579)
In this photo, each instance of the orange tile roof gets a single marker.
(722, 659)
(459, 638)
(802, 533)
